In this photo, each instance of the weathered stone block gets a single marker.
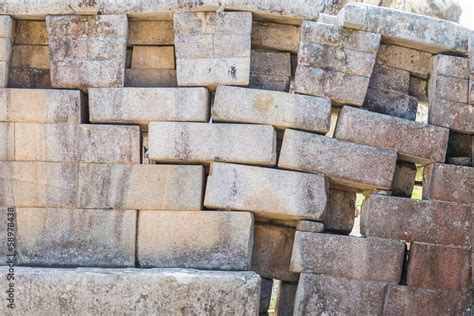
(205, 240)
(327, 295)
(75, 143)
(282, 110)
(273, 36)
(353, 165)
(286, 298)
(415, 220)
(392, 103)
(404, 179)
(415, 142)
(435, 266)
(150, 78)
(5, 49)
(448, 183)
(272, 251)
(451, 66)
(142, 32)
(310, 226)
(30, 56)
(389, 78)
(6, 26)
(378, 259)
(417, 62)
(270, 63)
(75, 237)
(30, 33)
(270, 193)
(4, 70)
(155, 57)
(139, 106)
(448, 89)
(204, 143)
(118, 291)
(454, 115)
(29, 78)
(7, 141)
(341, 211)
(269, 82)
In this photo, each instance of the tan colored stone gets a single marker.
(30, 33)
(341, 212)
(190, 23)
(6, 26)
(453, 115)
(4, 70)
(310, 226)
(285, 301)
(5, 49)
(29, 78)
(150, 78)
(7, 141)
(150, 32)
(417, 62)
(404, 179)
(270, 63)
(155, 57)
(273, 36)
(389, 78)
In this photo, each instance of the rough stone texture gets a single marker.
(7, 141)
(269, 82)
(270, 63)
(204, 143)
(448, 183)
(126, 291)
(30, 78)
(150, 78)
(416, 221)
(272, 251)
(4, 70)
(282, 110)
(392, 103)
(205, 240)
(415, 142)
(5, 49)
(459, 147)
(417, 62)
(327, 295)
(353, 165)
(41, 106)
(341, 212)
(407, 29)
(286, 298)
(6, 34)
(150, 32)
(453, 115)
(87, 51)
(266, 288)
(434, 266)
(77, 143)
(154, 57)
(30, 56)
(418, 89)
(407, 300)
(101, 238)
(269, 193)
(6, 26)
(377, 259)
(310, 226)
(451, 66)
(30, 33)
(278, 37)
(140, 106)
(448, 89)
(404, 179)
(389, 78)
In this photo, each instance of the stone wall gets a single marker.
(178, 157)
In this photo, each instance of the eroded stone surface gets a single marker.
(29, 78)
(390, 78)
(341, 212)
(417, 62)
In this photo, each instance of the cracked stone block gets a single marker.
(150, 78)
(279, 37)
(154, 57)
(393, 103)
(417, 62)
(404, 179)
(389, 78)
(7, 141)
(30, 33)
(30, 56)
(341, 212)
(143, 32)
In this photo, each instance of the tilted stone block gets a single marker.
(445, 182)
(142, 32)
(404, 179)
(273, 36)
(341, 212)
(77, 143)
(270, 63)
(75, 237)
(116, 291)
(453, 115)
(150, 78)
(415, 142)
(417, 62)
(7, 141)
(200, 240)
(282, 110)
(29, 78)
(415, 220)
(349, 164)
(286, 298)
(204, 143)
(392, 103)
(155, 57)
(435, 266)
(30, 56)
(269, 82)
(379, 259)
(269, 193)
(389, 78)
(140, 106)
(30, 33)
(310, 226)
(327, 295)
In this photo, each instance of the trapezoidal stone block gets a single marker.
(417, 62)
(7, 141)
(140, 106)
(415, 142)
(269, 193)
(151, 32)
(272, 36)
(280, 109)
(30, 33)
(378, 259)
(416, 220)
(115, 291)
(204, 240)
(204, 143)
(75, 237)
(403, 179)
(328, 295)
(341, 212)
(30, 56)
(353, 165)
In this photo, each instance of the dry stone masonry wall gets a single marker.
(179, 157)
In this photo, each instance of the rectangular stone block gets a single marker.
(451, 66)
(327, 295)
(272, 249)
(310, 226)
(341, 212)
(453, 115)
(268, 193)
(282, 110)
(29, 78)
(435, 266)
(448, 88)
(5, 49)
(393, 103)
(353, 165)
(204, 240)
(118, 291)
(415, 142)
(389, 78)
(144, 187)
(155, 57)
(407, 300)
(4, 70)
(270, 63)
(140, 106)
(417, 62)
(445, 182)
(416, 221)
(6, 26)
(269, 82)
(204, 143)
(286, 298)
(7, 141)
(77, 143)
(196, 23)
(150, 78)
(378, 259)
(279, 37)
(404, 179)
(30, 33)
(75, 237)
(30, 56)
(153, 32)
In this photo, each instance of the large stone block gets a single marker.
(269, 82)
(204, 143)
(415, 142)
(29, 78)
(435, 266)
(448, 89)
(7, 141)
(451, 66)
(273, 36)
(270, 193)
(282, 110)
(353, 165)
(200, 240)
(341, 211)
(417, 62)
(77, 143)
(389, 78)
(75, 237)
(140, 106)
(272, 251)
(404, 179)
(445, 182)
(30, 56)
(415, 220)
(155, 57)
(30, 33)
(150, 78)
(377, 259)
(143, 32)
(285, 301)
(270, 63)
(453, 115)
(126, 291)
(392, 103)
(327, 295)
